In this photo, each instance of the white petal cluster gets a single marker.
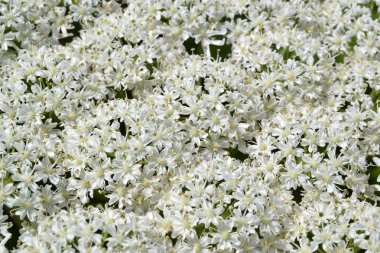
(189, 126)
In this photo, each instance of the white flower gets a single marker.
(26, 204)
(6, 39)
(209, 215)
(224, 237)
(294, 174)
(183, 224)
(327, 178)
(125, 168)
(195, 244)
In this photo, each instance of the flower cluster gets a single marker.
(189, 126)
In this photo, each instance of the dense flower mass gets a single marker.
(189, 126)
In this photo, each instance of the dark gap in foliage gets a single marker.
(221, 52)
(375, 95)
(340, 58)
(217, 183)
(111, 155)
(129, 94)
(368, 90)
(322, 149)
(297, 194)
(151, 67)
(337, 151)
(346, 191)
(97, 199)
(169, 235)
(28, 85)
(122, 128)
(122, 3)
(372, 170)
(14, 229)
(201, 82)
(121, 94)
(286, 53)
(192, 47)
(164, 20)
(68, 174)
(75, 31)
(235, 153)
(54, 119)
(352, 43)
(315, 58)
(374, 10)
(344, 107)
(241, 16)
(199, 229)
(124, 41)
